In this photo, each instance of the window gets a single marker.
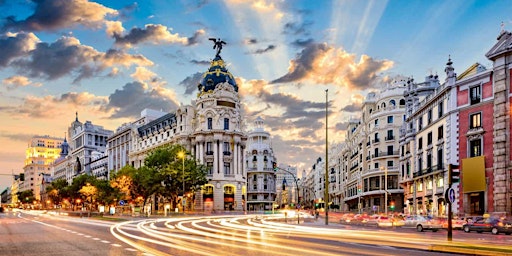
(226, 123)
(227, 170)
(440, 110)
(210, 123)
(376, 136)
(420, 143)
(475, 121)
(376, 122)
(390, 163)
(209, 150)
(390, 119)
(429, 161)
(376, 165)
(390, 150)
(420, 164)
(440, 158)
(390, 135)
(475, 95)
(209, 168)
(429, 116)
(440, 132)
(475, 148)
(429, 138)
(440, 182)
(420, 186)
(226, 149)
(420, 123)
(392, 103)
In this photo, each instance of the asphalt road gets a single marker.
(24, 234)
(29, 233)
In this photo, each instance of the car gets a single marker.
(422, 223)
(457, 222)
(491, 224)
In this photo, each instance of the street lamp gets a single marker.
(181, 155)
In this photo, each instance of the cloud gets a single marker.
(151, 33)
(58, 14)
(67, 56)
(302, 42)
(294, 28)
(54, 106)
(341, 126)
(354, 107)
(134, 97)
(13, 82)
(15, 45)
(201, 62)
(260, 51)
(22, 137)
(249, 41)
(323, 64)
(191, 83)
(143, 74)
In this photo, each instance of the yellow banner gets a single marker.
(473, 174)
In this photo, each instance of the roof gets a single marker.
(504, 45)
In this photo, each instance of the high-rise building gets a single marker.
(39, 157)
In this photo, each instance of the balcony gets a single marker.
(376, 141)
(354, 154)
(388, 138)
(475, 100)
(226, 153)
(209, 153)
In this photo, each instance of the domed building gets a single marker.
(210, 128)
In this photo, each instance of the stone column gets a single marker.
(501, 135)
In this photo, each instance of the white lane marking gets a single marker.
(131, 249)
(88, 236)
(80, 234)
(116, 245)
(105, 241)
(96, 239)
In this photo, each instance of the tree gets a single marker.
(122, 182)
(57, 190)
(89, 193)
(26, 196)
(175, 171)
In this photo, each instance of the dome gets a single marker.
(217, 73)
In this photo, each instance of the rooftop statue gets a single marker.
(217, 43)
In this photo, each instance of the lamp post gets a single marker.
(296, 188)
(181, 155)
(326, 194)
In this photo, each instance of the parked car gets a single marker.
(457, 222)
(422, 223)
(492, 224)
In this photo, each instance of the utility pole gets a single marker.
(326, 194)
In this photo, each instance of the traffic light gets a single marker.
(392, 205)
(453, 173)
(274, 166)
(22, 177)
(358, 188)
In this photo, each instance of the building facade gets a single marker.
(261, 177)
(211, 130)
(39, 157)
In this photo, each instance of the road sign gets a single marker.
(450, 195)
(121, 202)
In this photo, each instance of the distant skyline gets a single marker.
(108, 60)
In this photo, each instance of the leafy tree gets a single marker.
(175, 171)
(123, 183)
(106, 193)
(57, 190)
(89, 192)
(77, 184)
(26, 196)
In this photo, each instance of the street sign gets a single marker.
(450, 195)
(121, 202)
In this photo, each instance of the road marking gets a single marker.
(105, 241)
(80, 234)
(131, 249)
(88, 236)
(116, 245)
(96, 239)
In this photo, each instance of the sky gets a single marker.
(108, 60)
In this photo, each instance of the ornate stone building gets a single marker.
(211, 130)
(261, 178)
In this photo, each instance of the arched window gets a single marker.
(402, 102)
(383, 105)
(392, 103)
